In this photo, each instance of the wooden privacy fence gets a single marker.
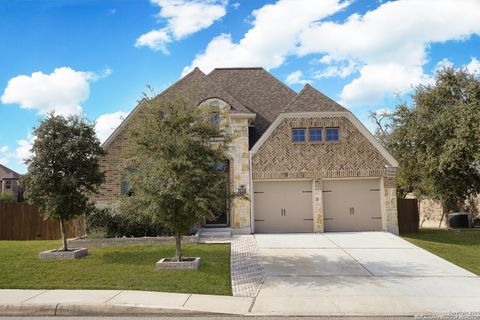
(21, 221)
(408, 215)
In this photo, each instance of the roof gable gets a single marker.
(347, 114)
(258, 90)
(312, 100)
(7, 173)
(197, 85)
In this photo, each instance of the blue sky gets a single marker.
(97, 56)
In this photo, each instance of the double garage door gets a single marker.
(287, 206)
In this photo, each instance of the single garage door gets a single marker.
(352, 205)
(283, 206)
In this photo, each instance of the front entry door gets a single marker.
(222, 214)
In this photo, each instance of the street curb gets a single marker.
(96, 310)
(27, 309)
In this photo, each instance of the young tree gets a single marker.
(63, 169)
(437, 140)
(175, 167)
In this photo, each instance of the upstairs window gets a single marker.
(125, 188)
(298, 135)
(315, 134)
(333, 134)
(215, 118)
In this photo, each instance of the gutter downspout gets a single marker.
(250, 178)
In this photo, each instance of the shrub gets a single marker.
(7, 198)
(108, 221)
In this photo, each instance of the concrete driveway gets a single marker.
(360, 273)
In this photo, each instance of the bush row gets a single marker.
(108, 221)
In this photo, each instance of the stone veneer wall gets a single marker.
(318, 224)
(114, 164)
(241, 173)
(390, 201)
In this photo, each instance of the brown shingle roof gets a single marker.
(201, 87)
(7, 173)
(312, 100)
(198, 86)
(247, 90)
(259, 91)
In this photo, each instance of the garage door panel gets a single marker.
(283, 206)
(352, 205)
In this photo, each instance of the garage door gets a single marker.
(283, 206)
(352, 205)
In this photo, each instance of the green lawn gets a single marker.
(459, 247)
(115, 267)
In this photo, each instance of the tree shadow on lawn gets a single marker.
(150, 254)
(137, 255)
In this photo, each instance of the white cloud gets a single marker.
(184, 18)
(156, 40)
(296, 78)
(390, 43)
(473, 66)
(23, 151)
(376, 81)
(4, 155)
(62, 91)
(107, 123)
(444, 63)
(341, 70)
(274, 35)
(393, 37)
(327, 59)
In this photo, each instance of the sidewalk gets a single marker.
(15, 302)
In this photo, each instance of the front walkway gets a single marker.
(245, 265)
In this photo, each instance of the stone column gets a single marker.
(241, 218)
(390, 200)
(318, 225)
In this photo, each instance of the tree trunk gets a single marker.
(444, 210)
(441, 219)
(178, 246)
(64, 235)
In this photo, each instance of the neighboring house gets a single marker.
(307, 163)
(9, 181)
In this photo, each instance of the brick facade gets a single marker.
(114, 165)
(352, 156)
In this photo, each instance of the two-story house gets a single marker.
(9, 181)
(307, 163)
